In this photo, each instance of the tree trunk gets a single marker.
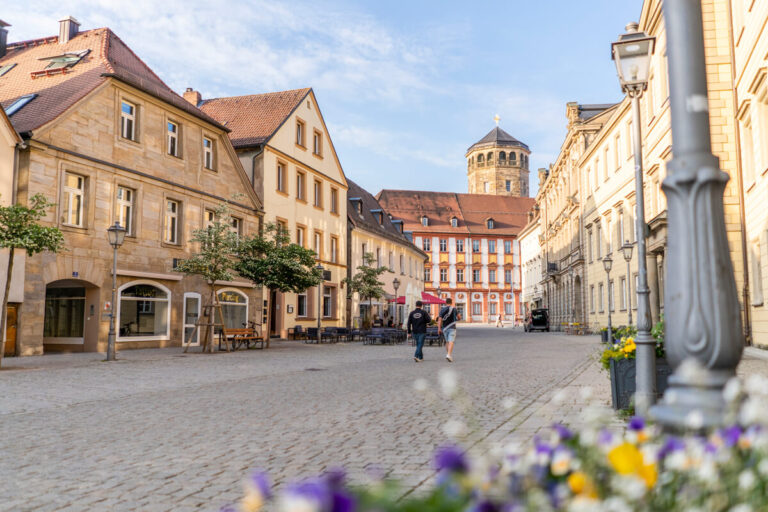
(3, 311)
(214, 302)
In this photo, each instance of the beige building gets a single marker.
(531, 262)
(498, 164)
(107, 140)
(371, 230)
(748, 71)
(599, 192)
(287, 152)
(9, 147)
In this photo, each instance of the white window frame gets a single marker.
(70, 193)
(459, 245)
(443, 245)
(126, 118)
(460, 275)
(172, 138)
(335, 249)
(171, 220)
(318, 190)
(159, 337)
(208, 154)
(301, 183)
(125, 208)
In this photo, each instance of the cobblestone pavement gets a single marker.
(162, 430)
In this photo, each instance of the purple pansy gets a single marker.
(562, 431)
(672, 444)
(260, 481)
(314, 490)
(451, 458)
(731, 435)
(636, 423)
(605, 437)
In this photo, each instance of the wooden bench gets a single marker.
(239, 336)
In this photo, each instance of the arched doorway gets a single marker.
(71, 321)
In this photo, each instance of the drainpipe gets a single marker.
(740, 173)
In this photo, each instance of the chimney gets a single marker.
(192, 96)
(542, 176)
(3, 37)
(68, 28)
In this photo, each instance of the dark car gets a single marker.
(538, 320)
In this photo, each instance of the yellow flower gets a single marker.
(625, 458)
(581, 484)
(251, 502)
(649, 474)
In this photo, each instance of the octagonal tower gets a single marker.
(498, 164)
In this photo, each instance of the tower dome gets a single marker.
(498, 164)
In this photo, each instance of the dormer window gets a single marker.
(358, 204)
(60, 63)
(424, 220)
(454, 222)
(379, 216)
(489, 223)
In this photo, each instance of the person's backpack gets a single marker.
(449, 316)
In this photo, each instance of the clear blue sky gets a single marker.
(405, 87)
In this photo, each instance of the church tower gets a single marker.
(498, 164)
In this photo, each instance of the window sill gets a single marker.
(134, 142)
(210, 170)
(73, 228)
(335, 214)
(318, 156)
(300, 200)
(300, 146)
(177, 157)
(318, 207)
(281, 192)
(170, 245)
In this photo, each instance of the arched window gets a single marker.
(489, 223)
(424, 220)
(512, 156)
(234, 306)
(489, 157)
(480, 159)
(502, 157)
(143, 312)
(454, 222)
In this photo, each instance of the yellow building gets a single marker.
(372, 230)
(284, 146)
(748, 71)
(588, 196)
(108, 141)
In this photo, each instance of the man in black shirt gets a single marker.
(417, 324)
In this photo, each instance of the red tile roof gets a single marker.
(108, 56)
(254, 119)
(510, 214)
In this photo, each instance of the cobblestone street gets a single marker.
(162, 430)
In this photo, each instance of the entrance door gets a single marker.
(191, 315)
(12, 315)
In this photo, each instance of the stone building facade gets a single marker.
(531, 262)
(371, 230)
(498, 164)
(287, 152)
(108, 141)
(471, 240)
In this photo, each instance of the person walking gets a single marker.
(446, 325)
(499, 321)
(417, 325)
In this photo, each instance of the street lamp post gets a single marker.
(116, 236)
(607, 264)
(626, 249)
(703, 321)
(396, 285)
(632, 53)
(320, 268)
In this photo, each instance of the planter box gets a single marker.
(623, 381)
(604, 336)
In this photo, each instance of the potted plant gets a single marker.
(604, 335)
(619, 360)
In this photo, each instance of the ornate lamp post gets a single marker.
(626, 250)
(320, 268)
(116, 236)
(396, 285)
(703, 321)
(607, 264)
(632, 53)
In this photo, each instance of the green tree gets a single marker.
(366, 281)
(20, 229)
(216, 259)
(271, 261)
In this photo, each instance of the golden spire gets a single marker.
(497, 119)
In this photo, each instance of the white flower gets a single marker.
(296, 503)
(454, 428)
(509, 403)
(747, 479)
(632, 487)
(753, 411)
(732, 390)
(582, 504)
(586, 393)
(561, 462)
(677, 460)
(616, 504)
(756, 385)
(762, 467)
(743, 507)
(694, 420)
(707, 472)
(420, 385)
(449, 383)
